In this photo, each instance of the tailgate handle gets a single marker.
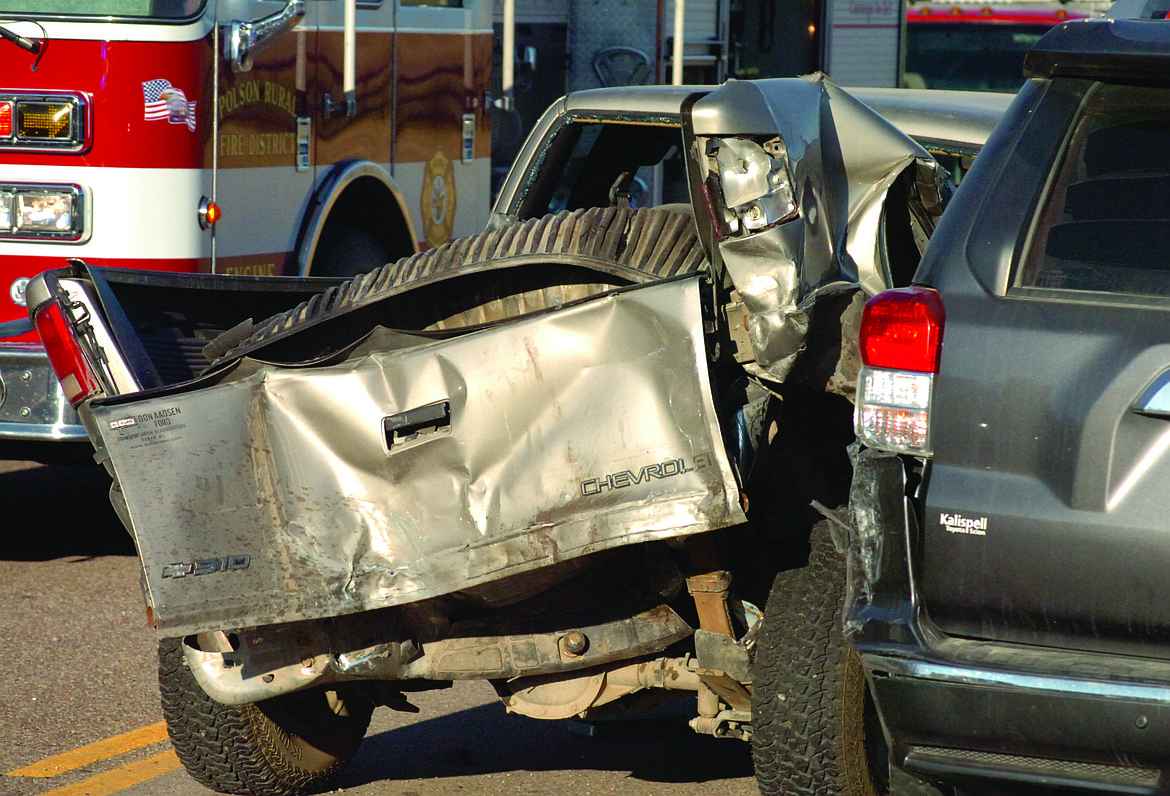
(417, 424)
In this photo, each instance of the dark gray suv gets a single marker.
(1010, 509)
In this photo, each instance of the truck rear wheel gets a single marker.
(287, 746)
(813, 732)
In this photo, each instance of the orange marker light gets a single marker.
(209, 213)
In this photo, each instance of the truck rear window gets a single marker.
(589, 160)
(1105, 224)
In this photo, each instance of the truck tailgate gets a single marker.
(410, 471)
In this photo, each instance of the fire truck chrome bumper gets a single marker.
(32, 406)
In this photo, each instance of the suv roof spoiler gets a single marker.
(1118, 46)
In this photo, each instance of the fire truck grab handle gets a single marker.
(242, 40)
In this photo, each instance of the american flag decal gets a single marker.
(164, 101)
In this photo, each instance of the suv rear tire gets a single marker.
(814, 726)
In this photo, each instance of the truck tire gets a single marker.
(286, 746)
(813, 733)
(514, 269)
(348, 251)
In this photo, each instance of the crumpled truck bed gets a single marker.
(417, 467)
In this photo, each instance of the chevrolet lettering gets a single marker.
(627, 478)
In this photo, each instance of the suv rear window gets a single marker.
(1105, 224)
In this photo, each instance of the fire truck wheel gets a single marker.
(348, 251)
(518, 268)
(814, 728)
(286, 746)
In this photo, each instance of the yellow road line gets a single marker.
(67, 761)
(122, 778)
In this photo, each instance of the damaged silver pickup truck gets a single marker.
(576, 456)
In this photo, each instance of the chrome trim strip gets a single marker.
(42, 432)
(949, 673)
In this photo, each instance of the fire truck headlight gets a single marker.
(6, 200)
(42, 212)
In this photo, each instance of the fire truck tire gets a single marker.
(286, 746)
(348, 251)
(813, 733)
(616, 246)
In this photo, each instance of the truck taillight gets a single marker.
(78, 381)
(901, 338)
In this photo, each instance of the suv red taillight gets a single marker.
(901, 337)
(78, 381)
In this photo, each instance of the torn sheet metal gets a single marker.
(283, 494)
(794, 172)
(879, 585)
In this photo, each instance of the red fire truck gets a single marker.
(253, 137)
(979, 46)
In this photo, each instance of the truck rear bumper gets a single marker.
(32, 406)
(961, 710)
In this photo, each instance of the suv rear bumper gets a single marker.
(960, 710)
(32, 406)
(955, 723)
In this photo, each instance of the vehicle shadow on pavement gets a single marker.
(53, 512)
(488, 740)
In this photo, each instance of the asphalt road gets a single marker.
(79, 709)
(79, 666)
